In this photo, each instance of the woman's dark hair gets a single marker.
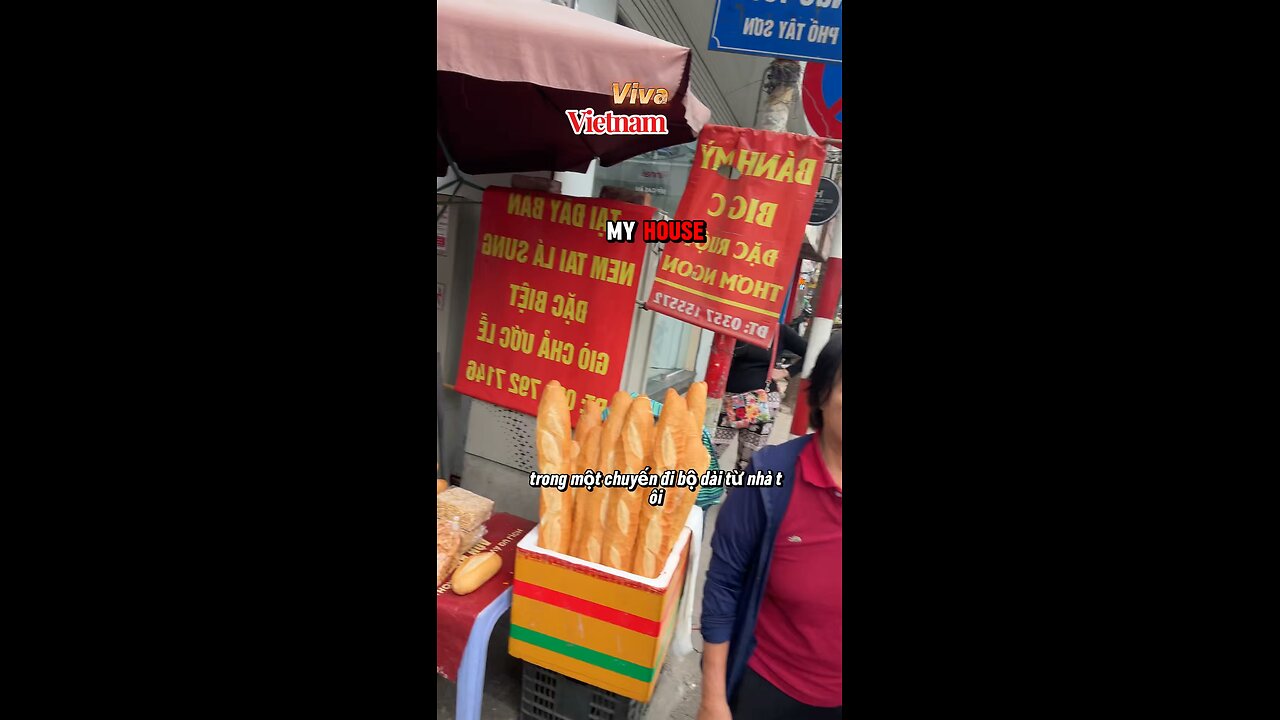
(822, 380)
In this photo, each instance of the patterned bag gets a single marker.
(747, 408)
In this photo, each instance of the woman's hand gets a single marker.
(777, 374)
(714, 711)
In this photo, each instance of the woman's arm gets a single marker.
(715, 667)
(794, 342)
(735, 548)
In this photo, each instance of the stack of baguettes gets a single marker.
(615, 526)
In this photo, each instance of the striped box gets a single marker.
(605, 627)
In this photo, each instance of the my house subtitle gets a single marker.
(656, 231)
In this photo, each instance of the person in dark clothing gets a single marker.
(750, 370)
(773, 600)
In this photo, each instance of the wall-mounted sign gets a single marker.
(823, 100)
(826, 203)
(552, 300)
(793, 29)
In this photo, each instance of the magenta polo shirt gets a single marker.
(801, 623)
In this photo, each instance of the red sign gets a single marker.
(551, 300)
(456, 614)
(823, 103)
(736, 282)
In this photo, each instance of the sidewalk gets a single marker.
(679, 686)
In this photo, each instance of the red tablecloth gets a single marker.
(455, 614)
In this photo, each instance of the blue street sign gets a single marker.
(793, 29)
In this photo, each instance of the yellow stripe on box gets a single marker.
(637, 602)
(584, 671)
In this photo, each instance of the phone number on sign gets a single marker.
(716, 318)
(522, 385)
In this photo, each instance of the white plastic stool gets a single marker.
(474, 657)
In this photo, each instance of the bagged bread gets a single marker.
(471, 539)
(448, 541)
(668, 445)
(555, 458)
(467, 508)
(624, 510)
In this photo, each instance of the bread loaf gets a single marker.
(589, 420)
(637, 435)
(668, 445)
(623, 517)
(680, 500)
(554, 458)
(618, 407)
(585, 500)
(476, 571)
(601, 500)
(696, 399)
(441, 485)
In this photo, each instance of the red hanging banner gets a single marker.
(736, 282)
(551, 299)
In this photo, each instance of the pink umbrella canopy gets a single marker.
(507, 70)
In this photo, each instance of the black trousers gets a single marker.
(758, 699)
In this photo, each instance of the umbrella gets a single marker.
(507, 70)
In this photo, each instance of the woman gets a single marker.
(749, 371)
(772, 620)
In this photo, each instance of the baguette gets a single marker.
(554, 458)
(473, 573)
(602, 500)
(668, 445)
(589, 423)
(624, 509)
(618, 408)
(589, 418)
(696, 399)
(680, 500)
(585, 501)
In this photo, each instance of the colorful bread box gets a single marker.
(605, 627)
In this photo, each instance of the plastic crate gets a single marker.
(548, 695)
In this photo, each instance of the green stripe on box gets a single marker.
(587, 655)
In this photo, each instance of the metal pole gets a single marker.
(830, 285)
(444, 472)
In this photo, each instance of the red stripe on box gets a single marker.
(586, 607)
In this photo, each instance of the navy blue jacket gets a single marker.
(741, 548)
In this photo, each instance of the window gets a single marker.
(668, 347)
